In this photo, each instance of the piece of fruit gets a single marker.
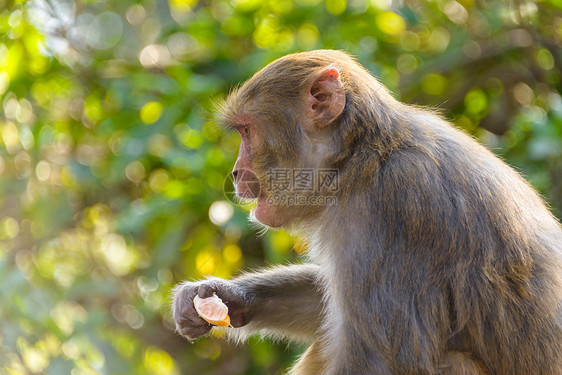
(212, 310)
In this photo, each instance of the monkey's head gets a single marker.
(294, 119)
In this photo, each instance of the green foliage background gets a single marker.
(112, 171)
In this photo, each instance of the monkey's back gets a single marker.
(490, 236)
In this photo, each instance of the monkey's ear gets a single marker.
(325, 99)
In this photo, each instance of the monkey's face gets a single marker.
(251, 176)
(284, 125)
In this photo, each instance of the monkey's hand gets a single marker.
(190, 324)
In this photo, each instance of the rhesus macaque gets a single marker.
(437, 257)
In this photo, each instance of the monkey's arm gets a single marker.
(285, 300)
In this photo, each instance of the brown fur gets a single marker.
(456, 363)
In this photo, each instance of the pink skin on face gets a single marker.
(246, 182)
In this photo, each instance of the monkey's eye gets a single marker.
(246, 130)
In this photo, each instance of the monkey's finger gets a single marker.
(191, 321)
(207, 289)
(226, 291)
(183, 296)
(238, 320)
(188, 315)
(193, 332)
(186, 311)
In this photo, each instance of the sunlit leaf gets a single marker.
(151, 112)
(390, 23)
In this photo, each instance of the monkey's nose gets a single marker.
(235, 174)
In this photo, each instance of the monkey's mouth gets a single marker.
(249, 189)
(259, 203)
(246, 184)
(265, 212)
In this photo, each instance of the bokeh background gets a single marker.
(112, 170)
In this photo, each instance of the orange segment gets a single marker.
(212, 310)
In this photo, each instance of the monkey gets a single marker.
(436, 257)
